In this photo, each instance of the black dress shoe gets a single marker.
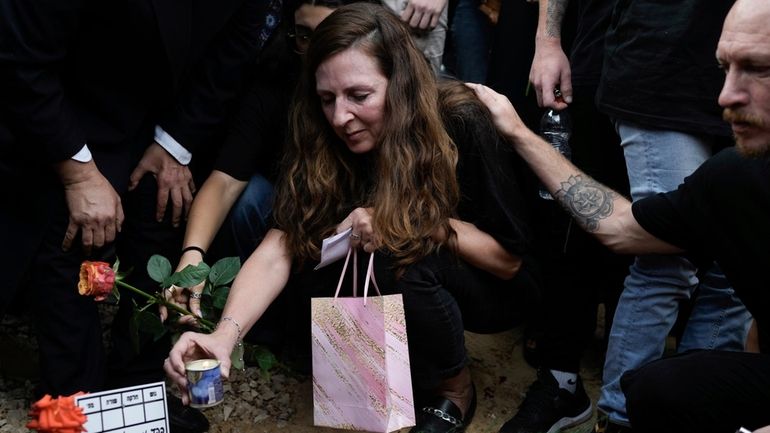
(443, 416)
(185, 419)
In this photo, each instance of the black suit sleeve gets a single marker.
(219, 78)
(34, 36)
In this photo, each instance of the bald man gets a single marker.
(721, 212)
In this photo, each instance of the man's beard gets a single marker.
(733, 116)
(752, 152)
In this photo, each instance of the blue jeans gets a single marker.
(249, 218)
(658, 161)
(471, 33)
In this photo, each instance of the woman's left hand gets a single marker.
(185, 297)
(362, 235)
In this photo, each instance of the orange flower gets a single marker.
(96, 279)
(57, 415)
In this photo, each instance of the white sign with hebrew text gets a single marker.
(136, 409)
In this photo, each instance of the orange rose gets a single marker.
(57, 415)
(96, 279)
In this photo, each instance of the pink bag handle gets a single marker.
(369, 275)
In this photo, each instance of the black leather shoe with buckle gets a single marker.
(185, 419)
(443, 416)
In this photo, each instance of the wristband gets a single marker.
(194, 248)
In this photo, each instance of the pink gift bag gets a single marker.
(361, 376)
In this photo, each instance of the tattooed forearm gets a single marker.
(554, 17)
(586, 200)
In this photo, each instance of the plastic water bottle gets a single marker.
(556, 128)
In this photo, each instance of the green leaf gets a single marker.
(208, 312)
(114, 296)
(263, 357)
(219, 297)
(207, 288)
(236, 357)
(120, 276)
(159, 268)
(190, 276)
(224, 271)
(150, 323)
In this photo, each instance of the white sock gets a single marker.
(566, 380)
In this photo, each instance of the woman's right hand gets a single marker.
(192, 346)
(362, 235)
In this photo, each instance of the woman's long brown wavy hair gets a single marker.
(409, 180)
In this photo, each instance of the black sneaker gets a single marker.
(548, 408)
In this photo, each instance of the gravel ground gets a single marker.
(18, 372)
(253, 397)
(280, 402)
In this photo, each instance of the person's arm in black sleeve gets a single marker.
(34, 37)
(256, 132)
(218, 79)
(201, 109)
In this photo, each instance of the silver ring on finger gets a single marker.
(170, 290)
(355, 236)
(195, 295)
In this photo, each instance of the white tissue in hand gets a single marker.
(334, 248)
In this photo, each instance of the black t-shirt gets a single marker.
(257, 129)
(256, 133)
(587, 52)
(490, 192)
(722, 212)
(660, 68)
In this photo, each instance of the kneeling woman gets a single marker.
(368, 150)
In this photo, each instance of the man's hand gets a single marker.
(504, 116)
(174, 181)
(94, 206)
(423, 14)
(551, 70)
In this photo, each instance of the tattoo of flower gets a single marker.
(586, 200)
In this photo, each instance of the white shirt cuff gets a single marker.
(182, 155)
(83, 155)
